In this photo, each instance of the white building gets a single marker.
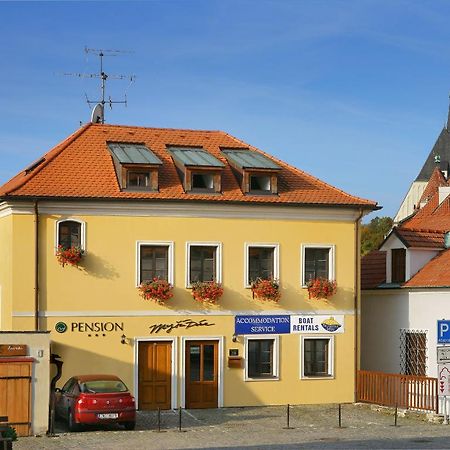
(406, 288)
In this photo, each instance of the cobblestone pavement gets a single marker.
(313, 427)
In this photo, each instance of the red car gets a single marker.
(95, 399)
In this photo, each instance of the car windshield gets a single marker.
(101, 386)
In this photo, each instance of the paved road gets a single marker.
(314, 427)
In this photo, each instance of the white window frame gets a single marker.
(330, 375)
(169, 245)
(331, 261)
(276, 356)
(218, 246)
(276, 260)
(83, 231)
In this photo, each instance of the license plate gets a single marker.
(108, 416)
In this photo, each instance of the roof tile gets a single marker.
(82, 167)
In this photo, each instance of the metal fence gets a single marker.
(404, 391)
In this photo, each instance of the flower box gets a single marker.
(207, 291)
(157, 289)
(264, 289)
(321, 288)
(71, 255)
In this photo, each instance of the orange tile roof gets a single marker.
(436, 273)
(420, 238)
(436, 180)
(82, 167)
(373, 269)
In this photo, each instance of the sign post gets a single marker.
(444, 386)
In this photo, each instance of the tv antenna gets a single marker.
(98, 113)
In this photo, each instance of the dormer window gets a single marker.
(203, 181)
(256, 173)
(136, 166)
(140, 180)
(199, 170)
(260, 183)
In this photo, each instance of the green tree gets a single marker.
(373, 233)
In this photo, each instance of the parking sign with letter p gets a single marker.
(443, 331)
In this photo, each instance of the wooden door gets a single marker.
(15, 395)
(201, 374)
(155, 375)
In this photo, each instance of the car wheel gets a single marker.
(73, 426)
(129, 425)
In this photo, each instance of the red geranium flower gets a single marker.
(71, 255)
(266, 289)
(321, 288)
(207, 291)
(158, 290)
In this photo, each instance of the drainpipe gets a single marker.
(355, 299)
(36, 267)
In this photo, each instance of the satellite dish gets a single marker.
(97, 114)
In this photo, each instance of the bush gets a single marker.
(10, 433)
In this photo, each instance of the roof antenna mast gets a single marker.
(98, 113)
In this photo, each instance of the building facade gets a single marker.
(405, 306)
(185, 207)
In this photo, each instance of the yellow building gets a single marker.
(113, 207)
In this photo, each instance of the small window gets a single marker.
(138, 180)
(260, 183)
(70, 234)
(317, 357)
(317, 263)
(261, 262)
(261, 358)
(203, 181)
(398, 265)
(413, 352)
(154, 262)
(202, 263)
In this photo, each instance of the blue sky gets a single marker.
(353, 92)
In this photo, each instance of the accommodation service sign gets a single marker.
(276, 324)
(311, 324)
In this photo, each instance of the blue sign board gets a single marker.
(443, 331)
(274, 324)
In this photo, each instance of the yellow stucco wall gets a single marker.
(5, 273)
(106, 282)
(106, 278)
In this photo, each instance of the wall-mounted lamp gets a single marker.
(235, 337)
(123, 339)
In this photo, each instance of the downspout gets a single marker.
(355, 300)
(36, 266)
